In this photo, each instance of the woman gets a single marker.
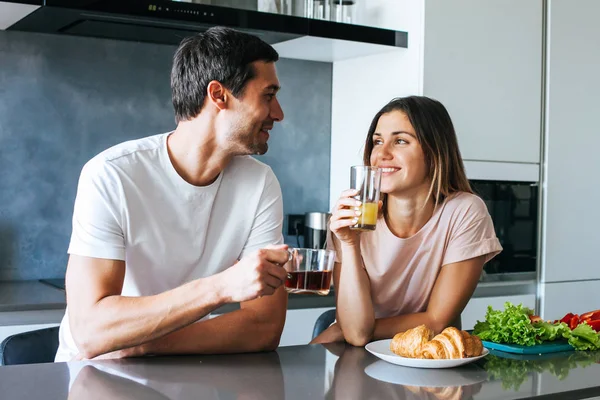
(432, 238)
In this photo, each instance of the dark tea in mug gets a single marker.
(317, 282)
(309, 271)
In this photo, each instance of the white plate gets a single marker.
(399, 375)
(381, 349)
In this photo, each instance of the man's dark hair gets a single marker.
(219, 54)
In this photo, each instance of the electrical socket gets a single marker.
(295, 224)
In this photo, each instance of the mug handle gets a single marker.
(290, 257)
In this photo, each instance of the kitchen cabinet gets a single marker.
(559, 298)
(502, 171)
(483, 61)
(299, 326)
(13, 322)
(167, 22)
(571, 219)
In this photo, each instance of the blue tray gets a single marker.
(552, 347)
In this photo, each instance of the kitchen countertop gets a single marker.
(49, 294)
(30, 296)
(305, 372)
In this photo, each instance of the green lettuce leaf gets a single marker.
(583, 337)
(513, 326)
(548, 331)
(509, 326)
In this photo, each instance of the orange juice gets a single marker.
(368, 217)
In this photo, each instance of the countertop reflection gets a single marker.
(256, 376)
(336, 371)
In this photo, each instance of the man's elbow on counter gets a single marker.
(268, 338)
(270, 345)
(88, 343)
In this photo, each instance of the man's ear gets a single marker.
(217, 94)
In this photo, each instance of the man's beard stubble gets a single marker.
(248, 143)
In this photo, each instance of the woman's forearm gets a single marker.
(386, 328)
(354, 305)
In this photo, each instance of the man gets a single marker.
(170, 227)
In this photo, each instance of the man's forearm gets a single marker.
(240, 331)
(117, 322)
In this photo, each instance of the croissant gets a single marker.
(409, 343)
(450, 344)
(420, 342)
(445, 393)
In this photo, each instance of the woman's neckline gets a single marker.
(434, 216)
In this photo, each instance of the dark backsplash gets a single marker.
(65, 99)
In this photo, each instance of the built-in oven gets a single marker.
(513, 207)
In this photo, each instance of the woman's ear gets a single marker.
(217, 95)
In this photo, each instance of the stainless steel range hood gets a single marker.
(167, 22)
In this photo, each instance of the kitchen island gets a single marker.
(334, 371)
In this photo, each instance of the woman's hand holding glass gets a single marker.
(344, 215)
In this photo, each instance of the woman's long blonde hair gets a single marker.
(436, 134)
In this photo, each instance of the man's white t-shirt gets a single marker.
(132, 205)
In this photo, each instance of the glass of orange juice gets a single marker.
(367, 180)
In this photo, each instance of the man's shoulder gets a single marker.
(122, 154)
(131, 147)
(119, 153)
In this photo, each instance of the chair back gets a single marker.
(32, 347)
(323, 322)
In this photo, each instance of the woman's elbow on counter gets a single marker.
(358, 341)
(358, 338)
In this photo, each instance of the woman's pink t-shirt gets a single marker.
(403, 271)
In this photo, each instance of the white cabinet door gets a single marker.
(483, 61)
(558, 299)
(299, 326)
(14, 322)
(572, 220)
(477, 307)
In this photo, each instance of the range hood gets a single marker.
(167, 22)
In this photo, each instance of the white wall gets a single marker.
(361, 86)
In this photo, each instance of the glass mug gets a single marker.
(367, 180)
(309, 271)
